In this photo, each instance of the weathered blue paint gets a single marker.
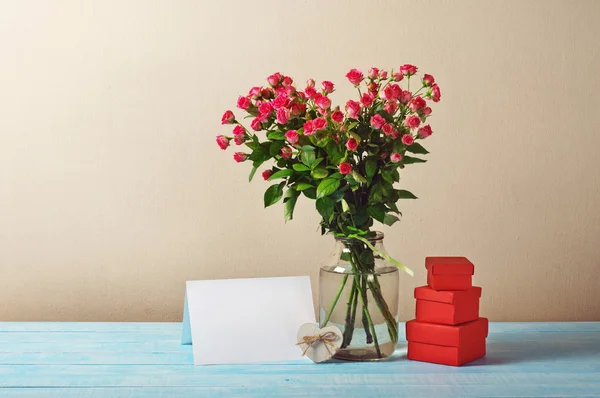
(147, 360)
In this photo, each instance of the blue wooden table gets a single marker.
(146, 360)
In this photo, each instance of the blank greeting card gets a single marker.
(246, 320)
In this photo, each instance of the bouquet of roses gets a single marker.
(347, 160)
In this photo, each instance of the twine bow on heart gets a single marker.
(326, 338)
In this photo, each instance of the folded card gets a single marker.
(246, 320)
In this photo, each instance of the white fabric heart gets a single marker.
(317, 344)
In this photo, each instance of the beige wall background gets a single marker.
(113, 192)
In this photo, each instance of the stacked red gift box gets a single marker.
(447, 329)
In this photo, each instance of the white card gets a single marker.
(246, 320)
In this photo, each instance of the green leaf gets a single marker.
(316, 163)
(310, 193)
(387, 176)
(370, 167)
(356, 175)
(252, 172)
(319, 173)
(377, 212)
(402, 194)
(308, 157)
(327, 187)
(410, 160)
(417, 148)
(281, 174)
(301, 186)
(325, 207)
(276, 148)
(276, 135)
(345, 207)
(260, 154)
(390, 219)
(307, 148)
(337, 196)
(300, 167)
(289, 204)
(337, 175)
(352, 125)
(273, 194)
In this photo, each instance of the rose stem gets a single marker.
(335, 300)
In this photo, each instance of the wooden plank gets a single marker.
(146, 360)
(334, 390)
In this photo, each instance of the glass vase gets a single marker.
(358, 292)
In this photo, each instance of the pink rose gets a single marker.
(266, 174)
(327, 86)
(355, 76)
(397, 76)
(309, 127)
(416, 103)
(408, 139)
(286, 152)
(345, 168)
(287, 81)
(337, 116)
(283, 115)
(243, 102)
(389, 93)
(227, 118)
(396, 157)
(281, 101)
(320, 123)
(239, 157)
(262, 117)
(426, 111)
(274, 79)
(256, 124)
(254, 93)
(383, 74)
(373, 73)
(323, 102)
(222, 141)
(428, 80)
(310, 83)
(367, 99)
(412, 121)
(390, 107)
(310, 92)
(351, 144)
(265, 108)
(290, 91)
(435, 93)
(408, 69)
(377, 121)
(297, 109)
(388, 129)
(239, 131)
(239, 141)
(395, 134)
(373, 87)
(353, 109)
(267, 93)
(405, 96)
(424, 131)
(292, 136)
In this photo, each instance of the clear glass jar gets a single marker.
(351, 276)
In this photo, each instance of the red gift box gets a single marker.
(447, 307)
(449, 273)
(445, 344)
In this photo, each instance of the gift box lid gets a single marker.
(447, 335)
(448, 296)
(449, 266)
